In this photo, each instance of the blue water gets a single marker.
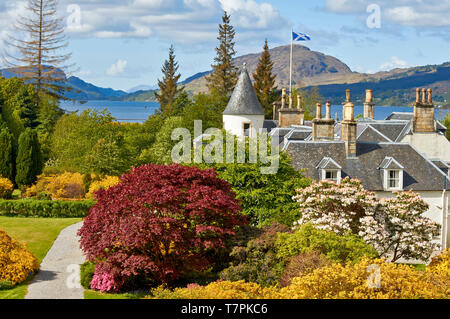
(122, 111)
(138, 112)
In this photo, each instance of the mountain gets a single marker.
(141, 88)
(81, 89)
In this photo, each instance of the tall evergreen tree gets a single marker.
(224, 76)
(6, 154)
(265, 82)
(29, 160)
(168, 86)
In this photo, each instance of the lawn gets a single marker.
(39, 235)
(90, 294)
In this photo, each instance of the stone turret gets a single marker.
(323, 128)
(348, 127)
(423, 121)
(244, 115)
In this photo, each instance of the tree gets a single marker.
(29, 160)
(41, 62)
(395, 227)
(159, 223)
(224, 77)
(168, 86)
(265, 82)
(6, 154)
(446, 123)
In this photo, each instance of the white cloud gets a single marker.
(117, 68)
(393, 63)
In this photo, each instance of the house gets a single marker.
(406, 151)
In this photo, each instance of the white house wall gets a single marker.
(433, 145)
(234, 123)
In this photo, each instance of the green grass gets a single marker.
(39, 235)
(90, 294)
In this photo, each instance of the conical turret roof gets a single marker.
(244, 100)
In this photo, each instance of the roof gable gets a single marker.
(390, 163)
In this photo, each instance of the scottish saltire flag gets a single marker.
(300, 36)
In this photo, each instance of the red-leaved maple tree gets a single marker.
(158, 223)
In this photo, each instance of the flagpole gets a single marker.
(290, 69)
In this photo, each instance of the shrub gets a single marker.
(217, 290)
(6, 188)
(29, 158)
(159, 223)
(301, 265)
(16, 261)
(66, 186)
(45, 208)
(86, 274)
(351, 282)
(104, 183)
(307, 239)
(6, 154)
(439, 270)
(257, 262)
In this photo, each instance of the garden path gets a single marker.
(59, 275)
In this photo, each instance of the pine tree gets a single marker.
(224, 76)
(40, 43)
(168, 86)
(265, 82)
(6, 154)
(29, 160)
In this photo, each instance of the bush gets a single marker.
(6, 188)
(86, 274)
(307, 239)
(439, 270)
(301, 265)
(159, 223)
(16, 261)
(257, 262)
(351, 282)
(29, 158)
(66, 186)
(45, 208)
(104, 183)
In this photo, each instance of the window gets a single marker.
(247, 128)
(332, 175)
(394, 179)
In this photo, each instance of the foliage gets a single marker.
(159, 223)
(301, 265)
(265, 82)
(224, 75)
(16, 261)
(257, 261)
(351, 282)
(86, 274)
(45, 208)
(65, 186)
(439, 269)
(446, 123)
(169, 89)
(6, 188)
(29, 159)
(395, 227)
(337, 248)
(104, 183)
(216, 290)
(6, 155)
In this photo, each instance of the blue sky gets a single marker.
(123, 43)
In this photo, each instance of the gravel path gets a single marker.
(58, 277)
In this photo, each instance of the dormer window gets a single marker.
(329, 170)
(392, 174)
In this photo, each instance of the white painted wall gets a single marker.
(433, 145)
(234, 124)
(433, 199)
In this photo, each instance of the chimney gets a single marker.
(323, 128)
(348, 127)
(289, 116)
(369, 106)
(300, 109)
(423, 120)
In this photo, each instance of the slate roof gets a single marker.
(244, 100)
(445, 167)
(420, 174)
(269, 125)
(409, 117)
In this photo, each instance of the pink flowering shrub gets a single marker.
(395, 227)
(159, 223)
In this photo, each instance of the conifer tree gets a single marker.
(224, 77)
(6, 154)
(29, 160)
(168, 86)
(265, 82)
(41, 61)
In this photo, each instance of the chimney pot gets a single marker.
(318, 110)
(369, 96)
(430, 96)
(328, 114)
(283, 99)
(299, 102)
(290, 100)
(347, 93)
(417, 95)
(424, 98)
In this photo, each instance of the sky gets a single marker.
(123, 43)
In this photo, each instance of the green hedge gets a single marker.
(45, 208)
